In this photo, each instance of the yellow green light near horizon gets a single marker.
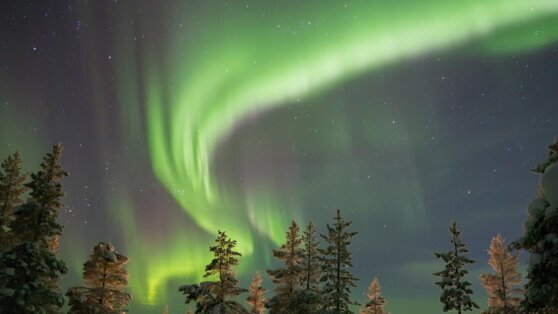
(233, 65)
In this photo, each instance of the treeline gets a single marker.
(30, 269)
(310, 280)
(314, 277)
(318, 280)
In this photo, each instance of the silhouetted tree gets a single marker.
(214, 296)
(456, 292)
(502, 296)
(540, 239)
(307, 298)
(105, 283)
(376, 301)
(11, 190)
(336, 261)
(310, 259)
(31, 269)
(288, 278)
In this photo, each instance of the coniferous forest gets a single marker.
(315, 275)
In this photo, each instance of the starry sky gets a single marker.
(181, 118)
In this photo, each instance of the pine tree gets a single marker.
(336, 261)
(307, 298)
(288, 278)
(11, 190)
(256, 298)
(36, 220)
(211, 296)
(502, 296)
(105, 283)
(540, 239)
(310, 259)
(376, 302)
(31, 269)
(456, 292)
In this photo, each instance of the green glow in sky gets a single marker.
(226, 65)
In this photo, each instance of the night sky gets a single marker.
(183, 118)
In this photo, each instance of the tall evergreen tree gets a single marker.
(456, 292)
(336, 261)
(287, 278)
(256, 298)
(31, 269)
(540, 239)
(502, 296)
(36, 220)
(11, 190)
(376, 301)
(310, 259)
(214, 296)
(307, 297)
(105, 283)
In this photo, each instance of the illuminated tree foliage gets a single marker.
(30, 269)
(165, 310)
(456, 292)
(376, 301)
(11, 190)
(105, 282)
(288, 278)
(336, 261)
(256, 295)
(214, 296)
(540, 239)
(502, 296)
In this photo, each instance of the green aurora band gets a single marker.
(212, 68)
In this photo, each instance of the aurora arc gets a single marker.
(223, 74)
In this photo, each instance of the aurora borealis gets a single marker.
(183, 118)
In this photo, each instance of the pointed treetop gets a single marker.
(456, 292)
(500, 286)
(256, 298)
(46, 190)
(376, 301)
(11, 185)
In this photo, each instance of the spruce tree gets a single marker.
(502, 296)
(336, 261)
(307, 298)
(376, 301)
(256, 295)
(214, 296)
(540, 239)
(310, 259)
(11, 191)
(35, 221)
(31, 269)
(456, 292)
(105, 283)
(288, 278)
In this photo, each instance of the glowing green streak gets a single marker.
(221, 89)
(250, 64)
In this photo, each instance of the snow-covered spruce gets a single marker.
(540, 239)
